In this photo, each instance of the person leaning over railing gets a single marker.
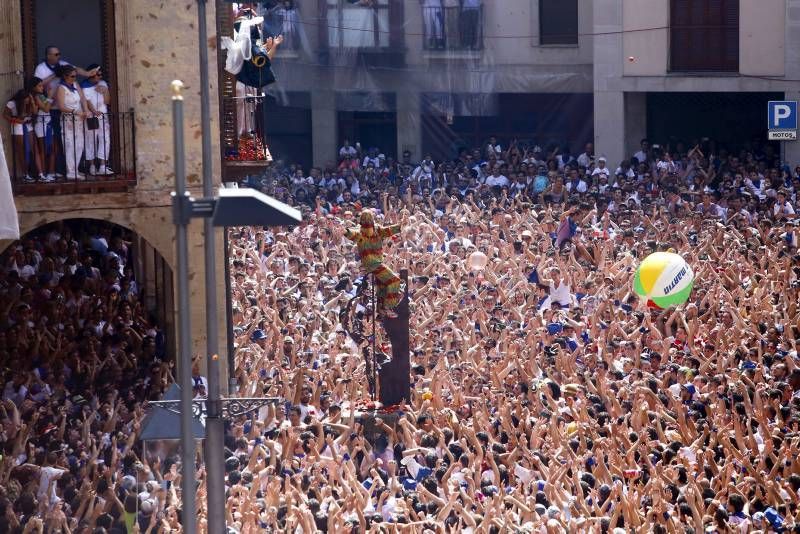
(19, 111)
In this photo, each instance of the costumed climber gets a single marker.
(369, 241)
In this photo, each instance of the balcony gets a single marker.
(452, 28)
(243, 138)
(370, 33)
(50, 156)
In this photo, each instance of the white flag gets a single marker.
(9, 222)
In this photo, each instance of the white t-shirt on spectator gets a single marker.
(46, 475)
(93, 95)
(585, 159)
(500, 180)
(785, 209)
(15, 396)
(375, 162)
(43, 70)
(347, 150)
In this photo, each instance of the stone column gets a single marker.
(609, 100)
(635, 121)
(324, 127)
(791, 149)
(409, 124)
(609, 126)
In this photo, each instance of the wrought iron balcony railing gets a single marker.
(453, 28)
(64, 153)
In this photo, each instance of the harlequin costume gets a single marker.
(369, 241)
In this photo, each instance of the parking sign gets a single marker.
(782, 119)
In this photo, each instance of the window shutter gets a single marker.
(29, 54)
(704, 35)
(109, 51)
(558, 22)
(227, 82)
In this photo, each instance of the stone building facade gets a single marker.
(144, 45)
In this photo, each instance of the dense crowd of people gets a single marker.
(546, 396)
(80, 355)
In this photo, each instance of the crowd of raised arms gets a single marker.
(546, 396)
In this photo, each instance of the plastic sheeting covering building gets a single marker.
(402, 75)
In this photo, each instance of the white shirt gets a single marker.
(367, 160)
(585, 159)
(601, 170)
(97, 99)
(43, 70)
(784, 209)
(15, 396)
(561, 293)
(347, 150)
(46, 475)
(501, 180)
(668, 166)
(581, 186)
(563, 162)
(628, 174)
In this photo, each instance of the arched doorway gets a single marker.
(64, 271)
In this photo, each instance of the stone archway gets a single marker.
(152, 224)
(152, 270)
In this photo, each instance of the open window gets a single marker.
(83, 30)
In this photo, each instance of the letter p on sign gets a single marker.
(782, 115)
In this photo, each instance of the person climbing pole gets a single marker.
(369, 241)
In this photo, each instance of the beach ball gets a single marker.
(664, 278)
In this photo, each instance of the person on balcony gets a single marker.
(249, 58)
(72, 104)
(470, 24)
(433, 16)
(20, 112)
(98, 132)
(43, 128)
(47, 69)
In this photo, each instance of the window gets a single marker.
(82, 29)
(453, 27)
(558, 22)
(358, 23)
(704, 35)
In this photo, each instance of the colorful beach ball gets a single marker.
(664, 278)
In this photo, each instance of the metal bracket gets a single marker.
(181, 208)
(186, 208)
(231, 408)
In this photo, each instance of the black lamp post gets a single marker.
(232, 207)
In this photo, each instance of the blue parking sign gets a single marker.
(782, 115)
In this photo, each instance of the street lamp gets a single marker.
(232, 207)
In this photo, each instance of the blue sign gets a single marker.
(782, 115)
